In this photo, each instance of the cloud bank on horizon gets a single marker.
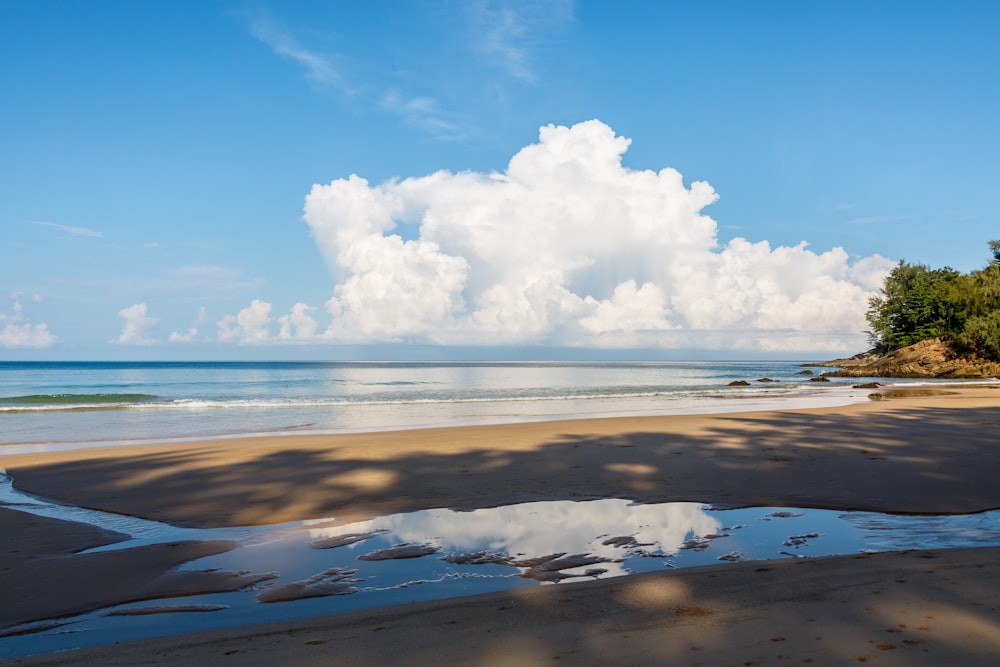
(567, 248)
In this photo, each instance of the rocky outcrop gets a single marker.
(934, 358)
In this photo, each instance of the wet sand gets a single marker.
(43, 577)
(919, 608)
(921, 454)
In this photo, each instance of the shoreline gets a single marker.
(708, 404)
(168, 424)
(917, 454)
(832, 458)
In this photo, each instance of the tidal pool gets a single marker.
(321, 567)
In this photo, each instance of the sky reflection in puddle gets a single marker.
(473, 552)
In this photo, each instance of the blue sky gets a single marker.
(159, 162)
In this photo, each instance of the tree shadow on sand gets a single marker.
(925, 460)
(921, 460)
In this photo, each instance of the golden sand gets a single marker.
(923, 454)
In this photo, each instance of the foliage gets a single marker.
(918, 303)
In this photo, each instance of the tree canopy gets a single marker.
(917, 303)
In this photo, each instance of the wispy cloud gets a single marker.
(422, 112)
(320, 68)
(878, 219)
(181, 284)
(209, 278)
(75, 231)
(425, 114)
(508, 33)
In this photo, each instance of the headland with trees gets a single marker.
(932, 323)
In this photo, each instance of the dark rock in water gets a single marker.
(622, 541)
(819, 379)
(547, 575)
(766, 380)
(343, 540)
(805, 372)
(166, 609)
(799, 540)
(697, 544)
(334, 581)
(625, 541)
(739, 383)
(549, 568)
(722, 507)
(562, 562)
(868, 385)
(479, 558)
(401, 551)
(534, 562)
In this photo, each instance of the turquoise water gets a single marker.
(51, 402)
(115, 402)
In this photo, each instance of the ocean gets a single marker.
(126, 402)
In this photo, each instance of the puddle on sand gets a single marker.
(324, 568)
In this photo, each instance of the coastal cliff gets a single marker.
(933, 358)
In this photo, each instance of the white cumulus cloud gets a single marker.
(191, 335)
(299, 324)
(569, 247)
(26, 334)
(137, 326)
(252, 325)
(18, 330)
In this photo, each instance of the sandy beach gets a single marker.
(932, 454)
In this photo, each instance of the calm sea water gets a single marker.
(67, 402)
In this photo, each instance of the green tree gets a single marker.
(980, 332)
(917, 303)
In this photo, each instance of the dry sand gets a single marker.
(926, 454)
